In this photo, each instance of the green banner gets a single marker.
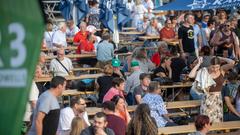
(21, 30)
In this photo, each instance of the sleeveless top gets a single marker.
(219, 84)
(225, 37)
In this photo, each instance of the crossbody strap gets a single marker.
(63, 65)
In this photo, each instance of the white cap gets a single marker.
(91, 28)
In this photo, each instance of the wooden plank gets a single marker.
(124, 29)
(86, 69)
(55, 49)
(183, 104)
(169, 105)
(75, 92)
(177, 85)
(191, 128)
(148, 37)
(87, 76)
(173, 43)
(131, 33)
(132, 43)
(176, 129)
(73, 56)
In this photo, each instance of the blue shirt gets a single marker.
(197, 31)
(157, 108)
(104, 51)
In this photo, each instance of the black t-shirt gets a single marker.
(138, 91)
(159, 69)
(177, 66)
(187, 36)
(50, 122)
(105, 83)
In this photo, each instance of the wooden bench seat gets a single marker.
(169, 105)
(177, 85)
(148, 37)
(86, 69)
(66, 48)
(131, 43)
(74, 56)
(191, 128)
(87, 76)
(75, 92)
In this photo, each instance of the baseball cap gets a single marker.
(116, 62)
(206, 14)
(91, 28)
(134, 64)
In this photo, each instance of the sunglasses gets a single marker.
(227, 25)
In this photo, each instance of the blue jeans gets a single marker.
(195, 95)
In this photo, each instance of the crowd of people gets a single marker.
(207, 54)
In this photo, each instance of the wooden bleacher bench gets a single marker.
(87, 76)
(131, 33)
(173, 43)
(73, 56)
(124, 29)
(66, 48)
(139, 43)
(177, 85)
(169, 105)
(191, 128)
(75, 92)
(86, 69)
(149, 37)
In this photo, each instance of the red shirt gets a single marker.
(85, 45)
(156, 58)
(80, 36)
(168, 34)
(117, 124)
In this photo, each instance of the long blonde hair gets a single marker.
(77, 126)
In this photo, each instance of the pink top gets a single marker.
(111, 93)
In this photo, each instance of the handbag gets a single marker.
(163, 80)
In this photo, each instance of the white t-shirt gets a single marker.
(138, 12)
(66, 117)
(33, 96)
(48, 35)
(72, 32)
(58, 69)
(59, 37)
(148, 4)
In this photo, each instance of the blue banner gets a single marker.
(199, 4)
(66, 8)
(110, 8)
